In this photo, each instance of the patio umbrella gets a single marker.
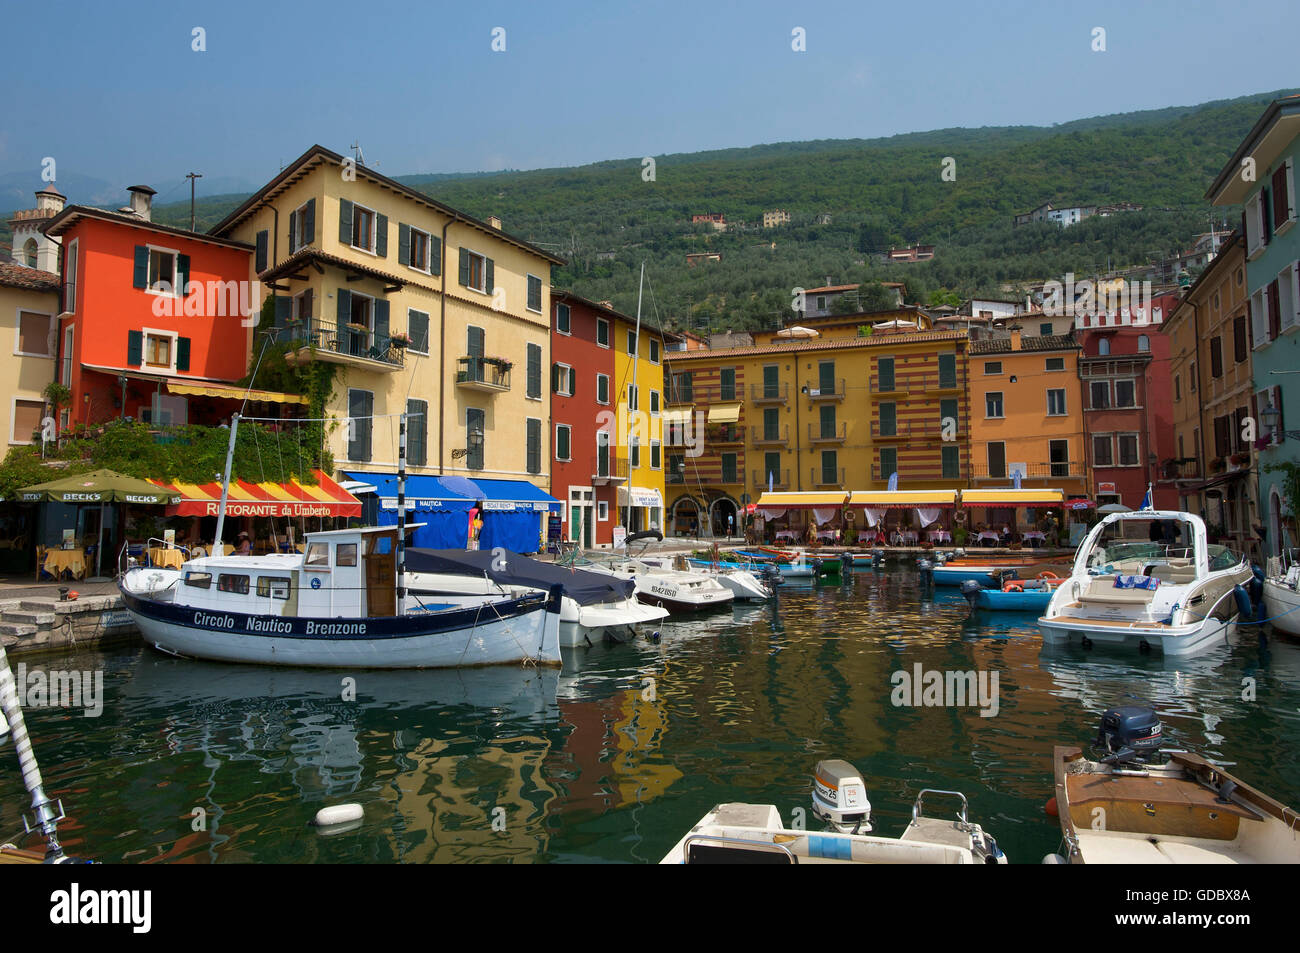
(98, 486)
(1114, 508)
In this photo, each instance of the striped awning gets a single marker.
(1009, 496)
(903, 499)
(230, 392)
(724, 413)
(794, 501)
(325, 498)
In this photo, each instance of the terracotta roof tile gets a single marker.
(14, 275)
(875, 340)
(1028, 342)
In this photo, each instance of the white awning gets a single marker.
(640, 496)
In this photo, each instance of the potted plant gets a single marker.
(1241, 459)
(959, 536)
(1217, 464)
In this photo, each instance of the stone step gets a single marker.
(20, 617)
(18, 629)
(8, 641)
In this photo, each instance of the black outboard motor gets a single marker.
(969, 589)
(1129, 734)
(877, 559)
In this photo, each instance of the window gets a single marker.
(1059, 453)
(233, 582)
(29, 253)
(992, 367)
(1178, 390)
(1100, 394)
(1216, 356)
(885, 373)
(827, 420)
(563, 439)
(993, 404)
(1144, 343)
(1102, 450)
(34, 337)
(300, 306)
(534, 302)
(947, 370)
(363, 228)
(162, 272)
(888, 419)
(417, 326)
(951, 463)
(273, 587)
(602, 510)
(475, 423)
(27, 421)
(684, 387)
(70, 286)
(826, 377)
(1124, 394)
(418, 254)
(68, 339)
(602, 388)
(158, 350)
(631, 343)
(831, 467)
(728, 387)
(563, 318)
(1056, 402)
(1045, 329)
(199, 580)
(1283, 197)
(298, 236)
(1128, 449)
(771, 380)
(1054, 364)
(1103, 346)
(533, 387)
(476, 271)
(888, 462)
(417, 433)
(634, 452)
(772, 469)
(360, 408)
(654, 351)
(534, 450)
(947, 411)
(602, 332)
(345, 554)
(654, 455)
(1191, 378)
(1239, 339)
(632, 403)
(318, 555)
(654, 403)
(996, 454)
(729, 468)
(602, 453)
(361, 321)
(565, 380)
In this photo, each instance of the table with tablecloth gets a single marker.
(940, 536)
(787, 534)
(988, 536)
(1035, 538)
(59, 561)
(166, 558)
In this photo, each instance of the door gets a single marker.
(381, 570)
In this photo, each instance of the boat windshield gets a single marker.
(1137, 547)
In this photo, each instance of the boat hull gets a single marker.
(1282, 606)
(995, 600)
(510, 631)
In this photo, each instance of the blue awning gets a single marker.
(423, 493)
(515, 495)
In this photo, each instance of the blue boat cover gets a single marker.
(579, 585)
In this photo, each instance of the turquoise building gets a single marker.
(1260, 177)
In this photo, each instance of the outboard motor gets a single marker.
(940, 558)
(970, 588)
(877, 559)
(840, 797)
(1129, 734)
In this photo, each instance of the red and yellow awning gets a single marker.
(326, 498)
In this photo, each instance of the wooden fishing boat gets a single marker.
(1127, 809)
(1030, 595)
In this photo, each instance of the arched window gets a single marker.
(1103, 347)
(1144, 343)
(29, 253)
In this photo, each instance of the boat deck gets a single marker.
(1112, 623)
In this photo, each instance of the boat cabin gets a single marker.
(340, 573)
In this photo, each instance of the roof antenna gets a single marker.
(360, 156)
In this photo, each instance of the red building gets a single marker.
(154, 321)
(1127, 396)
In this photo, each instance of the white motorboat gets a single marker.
(1181, 596)
(671, 589)
(1125, 807)
(1282, 593)
(595, 606)
(754, 833)
(335, 604)
(744, 585)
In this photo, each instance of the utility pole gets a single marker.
(192, 176)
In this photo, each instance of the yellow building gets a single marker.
(419, 307)
(832, 405)
(29, 302)
(639, 378)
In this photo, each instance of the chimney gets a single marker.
(495, 222)
(142, 201)
(1015, 338)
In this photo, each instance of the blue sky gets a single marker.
(114, 90)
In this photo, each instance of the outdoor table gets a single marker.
(166, 558)
(828, 535)
(58, 561)
(940, 536)
(1035, 538)
(786, 534)
(988, 536)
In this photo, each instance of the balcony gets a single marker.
(822, 393)
(724, 435)
(816, 434)
(353, 344)
(607, 469)
(730, 478)
(491, 374)
(1073, 470)
(780, 479)
(820, 476)
(908, 430)
(777, 438)
(960, 473)
(907, 382)
(769, 393)
(1186, 469)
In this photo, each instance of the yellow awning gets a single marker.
(678, 416)
(724, 413)
(1009, 496)
(787, 501)
(233, 393)
(887, 499)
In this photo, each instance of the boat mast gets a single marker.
(43, 808)
(401, 511)
(225, 485)
(636, 359)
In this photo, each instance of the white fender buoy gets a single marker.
(338, 814)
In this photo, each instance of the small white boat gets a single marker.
(754, 833)
(744, 585)
(1182, 597)
(335, 604)
(595, 606)
(1126, 808)
(671, 589)
(1282, 593)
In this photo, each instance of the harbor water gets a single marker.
(614, 757)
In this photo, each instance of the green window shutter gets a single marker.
(771, 465)
(555, 378)
(826, 377)
(474, 420)
(418, 327)
(951, 464)
(283, 309)
(888, 419)
(534, 445)
(263, 238)
(490, 285)
(464, 267)
(475, 340)
(562, 437)
(182, 354)
(381, 323)
(947, 408)
(309, 223)
(602, 389)
(728, 383)
(435, 254)
(828, 420)
(345, 308)
(345, 222)
(403, 244)
(183, 273)
(134, 348)
(141, 276)
(888, 462)
(417, 428)
(885, 371)
(947, 370)
(534, 370)
(771, 423)
(293, 217)
(381, 235)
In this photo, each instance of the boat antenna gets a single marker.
(47, 819)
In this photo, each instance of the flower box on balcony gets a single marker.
(1241, 459)
(399, 340)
